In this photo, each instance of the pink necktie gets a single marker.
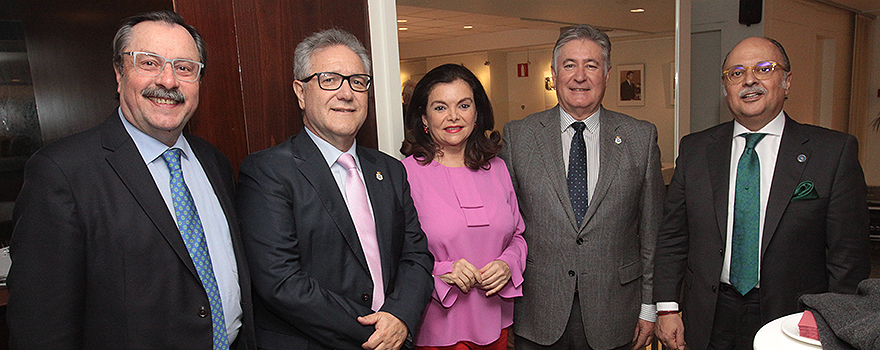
(356, 194)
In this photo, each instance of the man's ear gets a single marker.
(300, 94)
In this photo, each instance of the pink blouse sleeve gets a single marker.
(515, 252)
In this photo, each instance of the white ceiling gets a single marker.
(437, 19)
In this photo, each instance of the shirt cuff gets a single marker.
(667, 306)
(648, 313)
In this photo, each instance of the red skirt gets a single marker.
(500, 344)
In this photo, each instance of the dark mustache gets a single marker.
(170, 94)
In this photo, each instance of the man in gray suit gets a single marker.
(590, 191)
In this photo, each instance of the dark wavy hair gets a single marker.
(482, 144)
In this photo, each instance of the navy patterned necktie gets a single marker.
(577, 172)
(193, 234)
(746, 218)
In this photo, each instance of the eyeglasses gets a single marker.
(763, 70)
(152, 65)
(331, 81)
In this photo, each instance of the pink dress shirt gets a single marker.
(472, 215)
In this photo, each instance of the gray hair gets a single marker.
(584, 32)
(302, 57)
(123, 35)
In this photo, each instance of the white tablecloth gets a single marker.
(771, 337)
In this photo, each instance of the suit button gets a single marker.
(580, 241)
(713, 289)
(571, 273)
(365, 297)
(203, 312)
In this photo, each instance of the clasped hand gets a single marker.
(466, 276)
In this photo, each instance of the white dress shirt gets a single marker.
(591, 140)
(331, 154)
(767, 150)
(211, 214)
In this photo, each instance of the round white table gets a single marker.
(771, 336)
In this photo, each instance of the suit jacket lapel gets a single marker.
(380, 191)
(718, 160)
(549, 138)
(787, 173)
(609, 160)
(126, 160)
(312, 165)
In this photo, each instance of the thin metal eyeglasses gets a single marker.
(151, 65)
(331, 81)
(763, 70)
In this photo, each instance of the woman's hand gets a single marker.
(464, 275)
(495, 276)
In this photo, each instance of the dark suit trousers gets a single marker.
(573, 338)
(737, 319)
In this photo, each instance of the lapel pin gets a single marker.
(379, 176)
(801, 158)
(617, 140)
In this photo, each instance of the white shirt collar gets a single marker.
(330, 152)
(774, 127)
(150, 148)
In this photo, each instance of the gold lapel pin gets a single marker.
(801, 158)
(379, 176)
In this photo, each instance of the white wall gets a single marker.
(818, 40)
(656, 55)
(527, 95)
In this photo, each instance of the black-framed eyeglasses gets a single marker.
(763, 70)
(332, 81)
(151, 65)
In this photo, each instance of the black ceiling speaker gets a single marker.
(750, 11)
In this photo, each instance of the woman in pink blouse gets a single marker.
(468, 210)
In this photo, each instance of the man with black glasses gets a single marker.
(126, 235)
(760, 211)
(339, 260)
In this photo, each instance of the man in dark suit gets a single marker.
(628, 89)
(337, 254)
(591, 194)
(98, 253)
(760, 211)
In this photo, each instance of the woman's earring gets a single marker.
(426, 129)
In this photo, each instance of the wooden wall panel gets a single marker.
(265, 34)
(70, 54)
(220, 118)
(268, 35)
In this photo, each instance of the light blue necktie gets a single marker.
(746, 218)
(577, 172)
(193, 234)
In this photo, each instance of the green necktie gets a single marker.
(746, 218)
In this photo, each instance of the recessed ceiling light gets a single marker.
(401, 21)
(638, 10)
(402, 28)
(468, 27)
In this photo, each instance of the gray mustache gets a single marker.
(158, 92)
(751, 89)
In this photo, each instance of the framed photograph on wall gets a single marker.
(631, 78)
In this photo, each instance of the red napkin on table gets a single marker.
(807, 326)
